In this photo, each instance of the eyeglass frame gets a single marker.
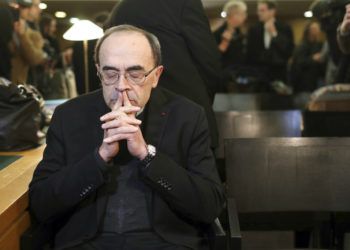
(126, 76)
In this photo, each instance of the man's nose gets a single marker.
(123, 83)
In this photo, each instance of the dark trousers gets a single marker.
(139, 241)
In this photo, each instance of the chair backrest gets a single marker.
(288, 174)
(254, 124)
(326, 123)
(248, 102)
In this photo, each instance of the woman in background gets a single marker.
(307, 69)
(230, 37)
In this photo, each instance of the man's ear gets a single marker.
(158, 73)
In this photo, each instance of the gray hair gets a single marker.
(235, 4)
(152, 39)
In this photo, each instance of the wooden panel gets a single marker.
(10, 240)
(14, 181)
(256, 124)
(8, 217)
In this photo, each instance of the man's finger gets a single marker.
(119, 102)
(114, 114)
(121, 122)
(126, 99)
(122, 130)
(117, 138)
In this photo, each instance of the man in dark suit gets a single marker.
(270, 45)
(190, 55)
(128, 167)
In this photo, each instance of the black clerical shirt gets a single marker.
(127, 203)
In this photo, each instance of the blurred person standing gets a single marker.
(231, 39)
(33, 21)
(48, 27)
(6, 31)
(308, 65)
(50, 77)
(229, 36)
(34, 15)
(343, 34)
(190, 55)
(27, 45)
(343, 37)
(270, 45)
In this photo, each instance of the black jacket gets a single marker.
(190, 55)
(69, 184)
(274, 59)
(235, 55)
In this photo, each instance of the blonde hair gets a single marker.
(235, 4)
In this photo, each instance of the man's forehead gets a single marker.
(262, 5)
(126, 42)
(129, 37)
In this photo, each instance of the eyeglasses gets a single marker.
(137, 77)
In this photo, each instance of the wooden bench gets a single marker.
(289, 183)
(254, 124)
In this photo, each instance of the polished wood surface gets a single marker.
(256, 124)
(14, 181)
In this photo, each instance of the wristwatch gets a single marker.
(151, 153)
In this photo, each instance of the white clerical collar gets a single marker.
(140, 111)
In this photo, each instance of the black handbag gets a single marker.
(20, 116)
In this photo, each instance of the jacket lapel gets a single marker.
(99, 109)
(157, 116)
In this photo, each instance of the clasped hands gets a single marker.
(121, 124)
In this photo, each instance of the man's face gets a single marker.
(34, 11)
(122, 52)
(264, 13)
